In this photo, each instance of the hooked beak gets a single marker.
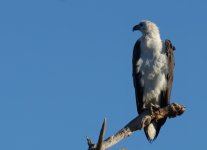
(136, 27)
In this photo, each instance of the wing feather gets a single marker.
(169, 51)
(137, 77)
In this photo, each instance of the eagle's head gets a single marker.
(146, 27)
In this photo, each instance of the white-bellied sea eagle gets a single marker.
(153, 68)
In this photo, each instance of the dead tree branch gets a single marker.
(137, 123)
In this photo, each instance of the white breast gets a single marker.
(153, 67)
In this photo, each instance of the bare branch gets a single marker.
(138, 123)
(100, 145)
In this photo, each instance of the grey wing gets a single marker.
(137, 77)
(169, 51)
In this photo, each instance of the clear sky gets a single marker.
(66, 64)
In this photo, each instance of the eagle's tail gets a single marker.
(153, 129)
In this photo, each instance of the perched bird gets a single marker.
(153, 69)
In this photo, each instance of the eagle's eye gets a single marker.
(141, 24)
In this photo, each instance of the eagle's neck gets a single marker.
(153, 35)
(152, 32)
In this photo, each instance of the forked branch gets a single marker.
(137, 123)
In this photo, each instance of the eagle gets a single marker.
(152, 71)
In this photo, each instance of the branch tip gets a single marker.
(101, 136)
(90, 143)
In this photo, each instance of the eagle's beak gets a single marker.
(136, 27)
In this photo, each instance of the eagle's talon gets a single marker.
(153, 108)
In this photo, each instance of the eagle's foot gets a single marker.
(153, 108)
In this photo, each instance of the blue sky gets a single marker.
(66, 64)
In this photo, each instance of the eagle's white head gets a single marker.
(147, 28)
